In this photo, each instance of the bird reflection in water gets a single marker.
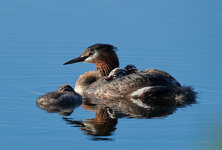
(103, 125)
(99, 128)
(109, 111)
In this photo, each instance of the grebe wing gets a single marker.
(124, 85)
(153, 87)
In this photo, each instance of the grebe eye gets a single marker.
(91, 53)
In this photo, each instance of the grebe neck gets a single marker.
(106, 66)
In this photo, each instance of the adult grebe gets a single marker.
(146, 84)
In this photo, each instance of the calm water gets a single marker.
(38, 36)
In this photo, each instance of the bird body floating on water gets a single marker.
(152, 86)
(62, 101)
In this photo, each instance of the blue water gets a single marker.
(180, 37)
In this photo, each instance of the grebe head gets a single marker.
(103, 55)
(117, 73)
(131, 68)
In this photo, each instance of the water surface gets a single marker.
(180, 37)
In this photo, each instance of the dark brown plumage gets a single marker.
(62, 101)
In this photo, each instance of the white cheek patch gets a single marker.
(89, 59)
(92, 58)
